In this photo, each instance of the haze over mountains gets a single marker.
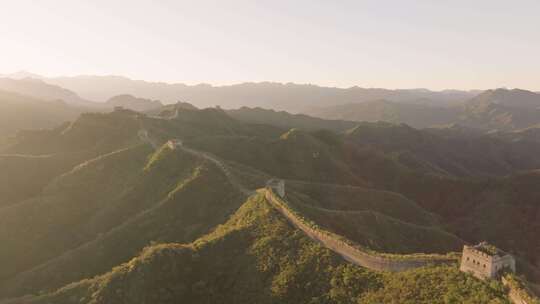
(37, 88)
(266, 94)
(497, 109)
(270, 152)
(102, 209)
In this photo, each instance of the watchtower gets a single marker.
(173, 143)
(485, 261)
(277, 185)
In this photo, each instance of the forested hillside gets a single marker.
(96, 209)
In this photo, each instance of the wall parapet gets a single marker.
(517, 292)
(352, 252)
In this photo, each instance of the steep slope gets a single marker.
(70, 201)
(170, 109)
(23, 176)
(380, 232)
(447, 152)
(114, 206)
(38, 89)
(377, 220)
(96, 132)
(294, 155)
(502, 110)
(124, 195)
(22, 112)
(34, 157)
(325, 158)
(498, 109)
(257, 257)
(515, 98)
(516, 200)
(351, 199)
(530, 134)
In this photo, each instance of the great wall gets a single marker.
(349, 251)
(176, 144)
(517, 292)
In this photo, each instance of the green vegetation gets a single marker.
(114, 209)
(379, 232)
(445, 153)
(157, 156)
(446, 285)
(520, 286)
(24, 176)
(19, 112)
(468, 208)
(285, 120)
(349, 198)
(488, 249)
(257, 257)
(35, 157)
(295, 155)
(417, 115)
(80, 202)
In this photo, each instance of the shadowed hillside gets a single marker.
(288, 121)
(377, 220)
(444, 151)
(295, 155)
(34, 157)
(20, 112)
(100, 189)
(39, 89)
(499, 109)
(115, 206)
(133, 103)
(257, 257)
(416, 115)
(305, 156)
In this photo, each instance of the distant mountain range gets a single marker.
(18, 112)
(103, 210)
(290, 97)
(498, 109)
(37, 88)
(133, 103)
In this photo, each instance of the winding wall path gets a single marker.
(353, 254)
(329, 240)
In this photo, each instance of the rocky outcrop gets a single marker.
(351, 252)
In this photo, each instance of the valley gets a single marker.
(269, 152)
(164, 189)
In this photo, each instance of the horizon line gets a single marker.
(31, 75)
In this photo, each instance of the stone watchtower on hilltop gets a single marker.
(485, 261)
(173, 143)
(277, 185)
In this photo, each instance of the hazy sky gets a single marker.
(395, 44)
